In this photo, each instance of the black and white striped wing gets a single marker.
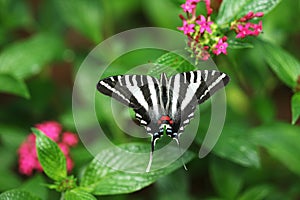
(187, 90)
(139, 92)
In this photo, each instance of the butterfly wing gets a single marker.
(187, 90)
(139, 92)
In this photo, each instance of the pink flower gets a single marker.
(243, 31)
(27, 156)
(64, 148)
(259, 14)
(248, 29)
(208, 8)
(187, 28)
(70, 163)
(204, 25)
(257, 28)
(31, 138)
(250, 15)
(204, 55)
(188, 6)
(221, 46)
(51, 129)
(28, 160)
(69, 138)
(26, 166)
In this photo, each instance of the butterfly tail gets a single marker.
(180, 152)
(151, 154)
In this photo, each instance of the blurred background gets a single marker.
(43, 43)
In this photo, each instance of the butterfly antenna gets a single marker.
(180, 152)
(151, 154)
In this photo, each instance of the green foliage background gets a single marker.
(43, 43)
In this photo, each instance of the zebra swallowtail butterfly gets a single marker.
(164, 105)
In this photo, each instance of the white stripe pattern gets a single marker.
(192, 77)
(114, 91)
(119, 80)
(205, 75)
(136, 92)
(212, 85)
(191, 91)
(175, 95)
(153, 96)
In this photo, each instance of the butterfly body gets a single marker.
(165, 104)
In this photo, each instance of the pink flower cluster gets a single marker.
(206, 37)
(202, 30)
(244, 28)
(193, 22)
(28, 161)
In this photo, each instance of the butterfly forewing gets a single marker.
(139, 92)
(187, 90)
(213, 81)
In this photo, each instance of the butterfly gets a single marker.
(165, 104)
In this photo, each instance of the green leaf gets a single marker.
(170, 63)
(295, 107)
(103, 180)
(235, 146)
(17, 195)
(11, 135)
(26, 58)
(226, 178)
(281, 141)
(259, 192)
(153, 10)
(264, 107)
(14, 16)
(235, 44)
(285, 66)
(175, 191)
(11, 179)
(84, 16)
(50, 156)
(77, 194)
(36, 185)
(232, 9)
(10, 84)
